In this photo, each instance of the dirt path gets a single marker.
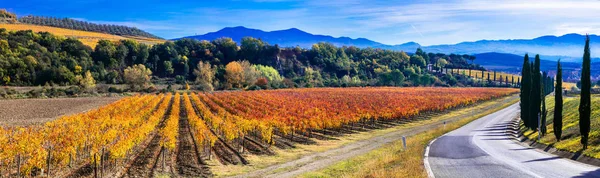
(36, 111)
(320, 160)
(188, 160)
(145, 163)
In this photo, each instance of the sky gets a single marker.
(428, 22)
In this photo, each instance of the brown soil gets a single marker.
(189, 163)
(21, 112)
(150, 158)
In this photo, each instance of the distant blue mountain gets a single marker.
(285, 38)
(567, 47)
(512, 63)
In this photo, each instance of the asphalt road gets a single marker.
(483, 149)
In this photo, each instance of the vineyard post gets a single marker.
(70, 159)
(444, 125)
(209, 152)
(18, 165)
(292, 134)
(404, 142)
(48, 161)
(242, 147)
(102, 163)
(95, 167)
(162, 152)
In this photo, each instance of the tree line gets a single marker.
(30, 59)
(535, 85)
(85, 26)
(7, 17)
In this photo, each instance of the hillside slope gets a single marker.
(570, 131)
(86, 37)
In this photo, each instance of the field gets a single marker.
(502, 76)
(37, 111)
(87, 38)
(499, 75)
(177, 134)
(570, 134)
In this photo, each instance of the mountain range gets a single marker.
(567, 47)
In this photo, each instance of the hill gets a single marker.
(85, 26)
(567, 47)
(285, 38)
(86, 37)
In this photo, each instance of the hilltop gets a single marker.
(88, 33)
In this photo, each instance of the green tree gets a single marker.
(227, 48)
(250, 49)
(585, 102)
(543, 113)
(137, 77)
(269, 72)
(536, 93)
(525, 92)
(168, 68)
(558, 103)
(86, 81)
(418, 60)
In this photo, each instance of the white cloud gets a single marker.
(390, 21)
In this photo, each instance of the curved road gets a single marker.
(482, 148)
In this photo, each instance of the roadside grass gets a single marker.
(392, 160)
(570, 134)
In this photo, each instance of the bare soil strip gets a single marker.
(320, 160)
(21, 112)
(189, 163)
(145, 163)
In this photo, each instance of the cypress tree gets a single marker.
(524, 104)
(482, 72)
(543, 111)
(494, 76)
(536, 89)
(585, 102)
(558, 106)
(512, 82)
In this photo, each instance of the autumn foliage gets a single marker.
(119, 127)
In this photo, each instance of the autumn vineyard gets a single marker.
(174, 134)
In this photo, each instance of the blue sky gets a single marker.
(427, 22)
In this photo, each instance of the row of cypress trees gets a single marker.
(535, 86)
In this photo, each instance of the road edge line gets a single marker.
(426, 159)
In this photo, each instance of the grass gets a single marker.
(284, 155)
(392, 160)
(570, 135)
(86, 37)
